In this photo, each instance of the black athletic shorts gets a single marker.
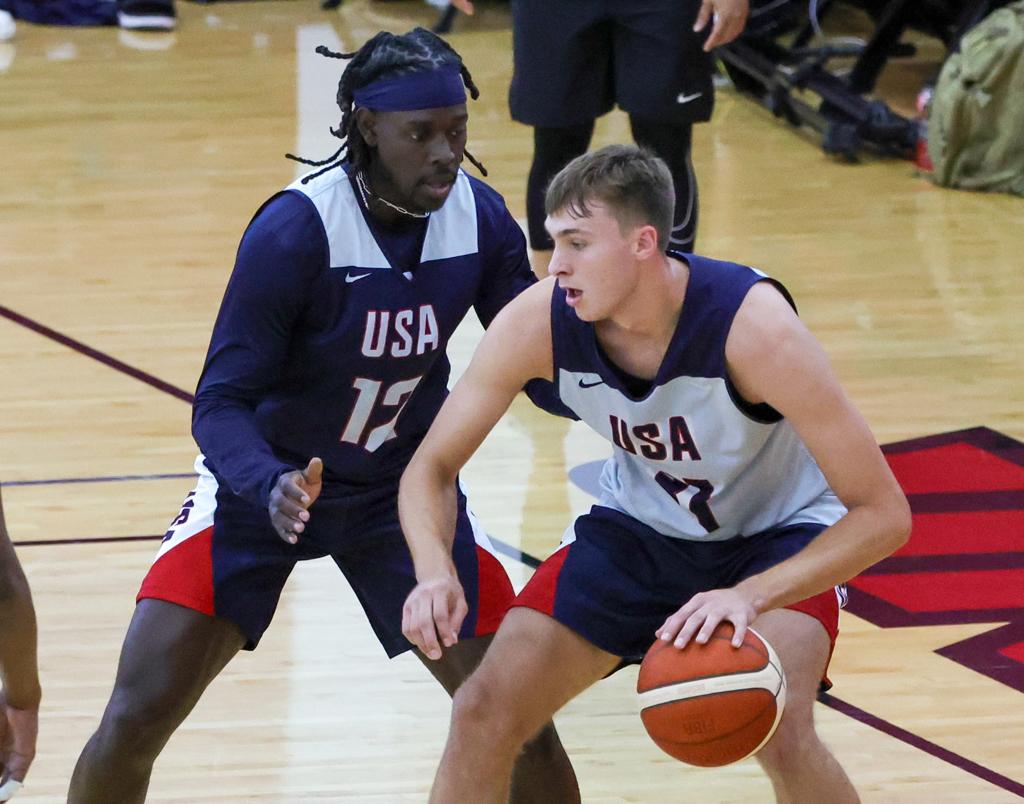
(575, 59)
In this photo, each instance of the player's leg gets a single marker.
(561, 83)
(800, 766)
(212, 590)
(170, 655)
(380, 569)
(671, 141)
(553, 149)
(542, 771)
(534, 667)
(663, 81)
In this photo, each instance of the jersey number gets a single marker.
(698, 505)
(369, 392)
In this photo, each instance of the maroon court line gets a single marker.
(860, 715)
(95, 354)
(87, 540)
(922, 744)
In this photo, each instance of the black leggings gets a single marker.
(554, 148)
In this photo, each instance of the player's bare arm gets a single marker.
(515, 349)
(20, 694)
(773, 358)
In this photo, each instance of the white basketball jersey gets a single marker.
(691, 459)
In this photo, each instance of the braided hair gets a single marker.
(386, 54)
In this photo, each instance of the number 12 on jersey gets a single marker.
(368, 400)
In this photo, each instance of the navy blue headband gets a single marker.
(426, 89)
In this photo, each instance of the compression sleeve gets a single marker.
(281, 250)
(507, 271)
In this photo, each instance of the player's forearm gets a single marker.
(19, 668)
(860, 539)
(226, 433)
(427, 507)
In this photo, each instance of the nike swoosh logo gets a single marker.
(355, 277)
(682, 98)
(590, 384)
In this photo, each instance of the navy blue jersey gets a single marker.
(331, 337)
(691, 458)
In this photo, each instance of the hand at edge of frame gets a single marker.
(728, 19)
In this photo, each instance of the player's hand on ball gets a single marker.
(291, 497)
(702, 613)
(436, 606)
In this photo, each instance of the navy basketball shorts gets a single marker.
(222, 557)
(619, 579)
(575, 59)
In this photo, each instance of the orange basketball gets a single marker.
(711, 704)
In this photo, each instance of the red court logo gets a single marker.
(964, 562)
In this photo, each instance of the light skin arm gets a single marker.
(773, 358)
(19, 700)
(728, 18)
(516, 348)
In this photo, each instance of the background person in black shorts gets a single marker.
(576, 59)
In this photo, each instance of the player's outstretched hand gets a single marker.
(730, 16)
(465, 6)
(434, 607)
(703, 612)
(18, 731)
(291, 498)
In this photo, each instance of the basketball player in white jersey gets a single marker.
(743, 484)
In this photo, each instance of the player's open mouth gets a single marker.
(439, 188)
(572, 296)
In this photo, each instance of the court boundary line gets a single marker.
(920, 743)
(95, 354)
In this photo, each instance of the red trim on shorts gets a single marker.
(824, 608)
(494, 593)
(184, 574)
(540, 592)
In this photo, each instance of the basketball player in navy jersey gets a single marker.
(743, 485)
(19, 670)
(326, 367)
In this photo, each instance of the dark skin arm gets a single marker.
(19, 670)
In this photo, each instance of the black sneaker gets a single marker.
(146, 15)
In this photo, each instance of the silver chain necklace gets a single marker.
(366, 194)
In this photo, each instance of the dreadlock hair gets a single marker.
(386, 54)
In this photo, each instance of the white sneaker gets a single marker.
(146, 15)
(7, 26)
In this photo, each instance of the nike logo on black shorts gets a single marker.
(682, 98)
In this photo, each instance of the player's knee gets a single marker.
(544, 746)
(479, 714)
(138, 724)
(789, 747)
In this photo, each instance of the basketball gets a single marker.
(711, 704)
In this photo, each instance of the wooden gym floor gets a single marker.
(130, 168)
